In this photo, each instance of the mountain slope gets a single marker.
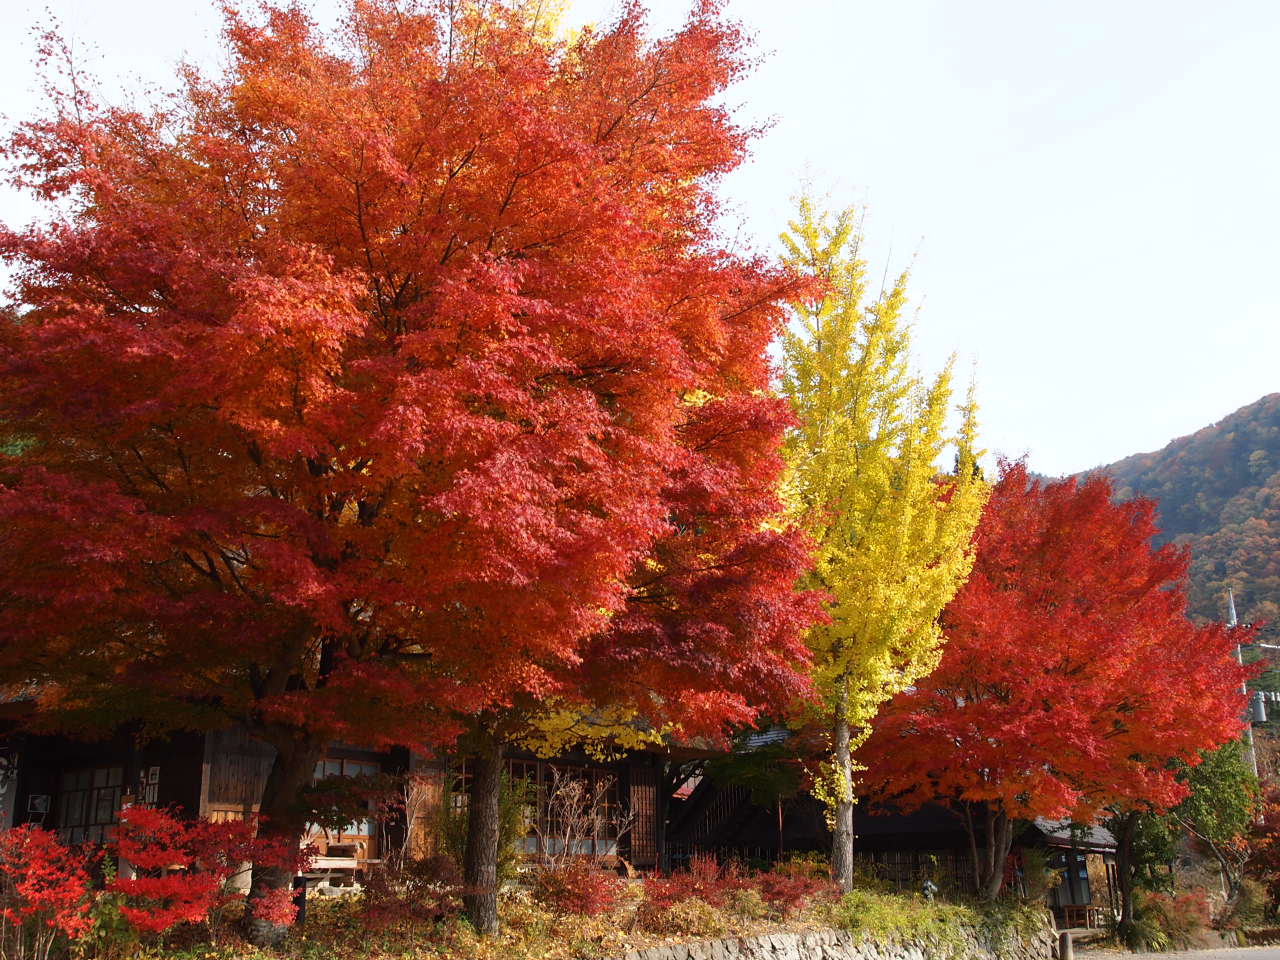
(1219, 493)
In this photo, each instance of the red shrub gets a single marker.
(789, 892)
(420, 890)
(705, 879)
(44, 882)
(185, 865)
(786, 890)
(276, 906)
(579, 889)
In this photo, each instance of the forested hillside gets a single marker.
(1219, 493)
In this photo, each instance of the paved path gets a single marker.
(1217, 953)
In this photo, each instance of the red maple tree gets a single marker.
(1071, 677)
(390, 383)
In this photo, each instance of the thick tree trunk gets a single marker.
(1126, 872)
(999, 842)
(842, 836)
(988, 863)
(480, 862)
(291, 771)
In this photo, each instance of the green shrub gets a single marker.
(1143, 934)
(810, 864)
(897, 918)
(888, 917)
(1164, 922)
(1251, 905)
(111, 935)
(747, 904)
(514, 804)
(867, 875)
(1006, 923)
(1039, 874)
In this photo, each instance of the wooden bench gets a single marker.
(1083, 915)
(338, 871)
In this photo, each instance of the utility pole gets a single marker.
(1233, 622)
(1254, 705)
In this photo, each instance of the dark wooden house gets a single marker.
(78, 788)
(905, 849)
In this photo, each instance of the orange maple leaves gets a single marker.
(360, 376)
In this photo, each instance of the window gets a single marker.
(1074, 887)
(89, 804)
(527, 771)
(599, 819)
(546, 819)
(358, 830)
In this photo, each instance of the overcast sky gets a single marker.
(1088, 191)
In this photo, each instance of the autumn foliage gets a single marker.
(1071, 677)
(582, 888)
(893, 538)
(784, 890)
(1264, 840)
(399, 399)
(392, 379)
(45, 891)
(181, 867)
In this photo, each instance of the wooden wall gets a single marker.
(234, 773)
(643, 798)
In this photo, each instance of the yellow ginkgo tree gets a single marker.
(892, 528)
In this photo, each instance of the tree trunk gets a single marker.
(988, 864)
(1126, 873)
(480, 862)
(291, 771)
(1232, 877)
(842, 836)
(1001, 842)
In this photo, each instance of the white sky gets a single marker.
(1090, 190)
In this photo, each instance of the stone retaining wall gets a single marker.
(840, 945)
